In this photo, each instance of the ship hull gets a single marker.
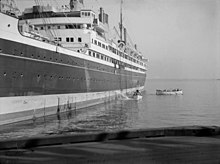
(39, 79)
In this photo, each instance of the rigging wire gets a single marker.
(51, 30)
(74, 35)
(48, 32)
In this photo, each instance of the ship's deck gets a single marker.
(173, 145)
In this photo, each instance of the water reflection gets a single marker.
(110, 116)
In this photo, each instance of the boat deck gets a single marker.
(183, 145)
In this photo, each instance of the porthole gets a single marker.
(5, 74)
(22, 54)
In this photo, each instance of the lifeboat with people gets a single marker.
(169, 92)
(137, 95)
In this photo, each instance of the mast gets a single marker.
(121, 23)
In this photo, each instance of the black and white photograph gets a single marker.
(109, 81)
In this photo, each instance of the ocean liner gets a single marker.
(56, 60)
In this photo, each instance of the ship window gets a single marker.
(59, 39)
(93, 54)
(67, 39)
(72, 39)
(95, 42)
(41, 28)
(90, 53)
(99, 44)
(86, 14)
(58, 27)
(114, 50)
(79, 39)
(49, 27)
(97, 55)
(69, 27)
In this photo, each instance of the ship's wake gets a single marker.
(124, 97)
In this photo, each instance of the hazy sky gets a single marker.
(181, 38)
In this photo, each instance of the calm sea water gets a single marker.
(199, 105)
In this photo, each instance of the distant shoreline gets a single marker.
(179, 79)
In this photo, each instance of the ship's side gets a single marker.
(39, 78)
